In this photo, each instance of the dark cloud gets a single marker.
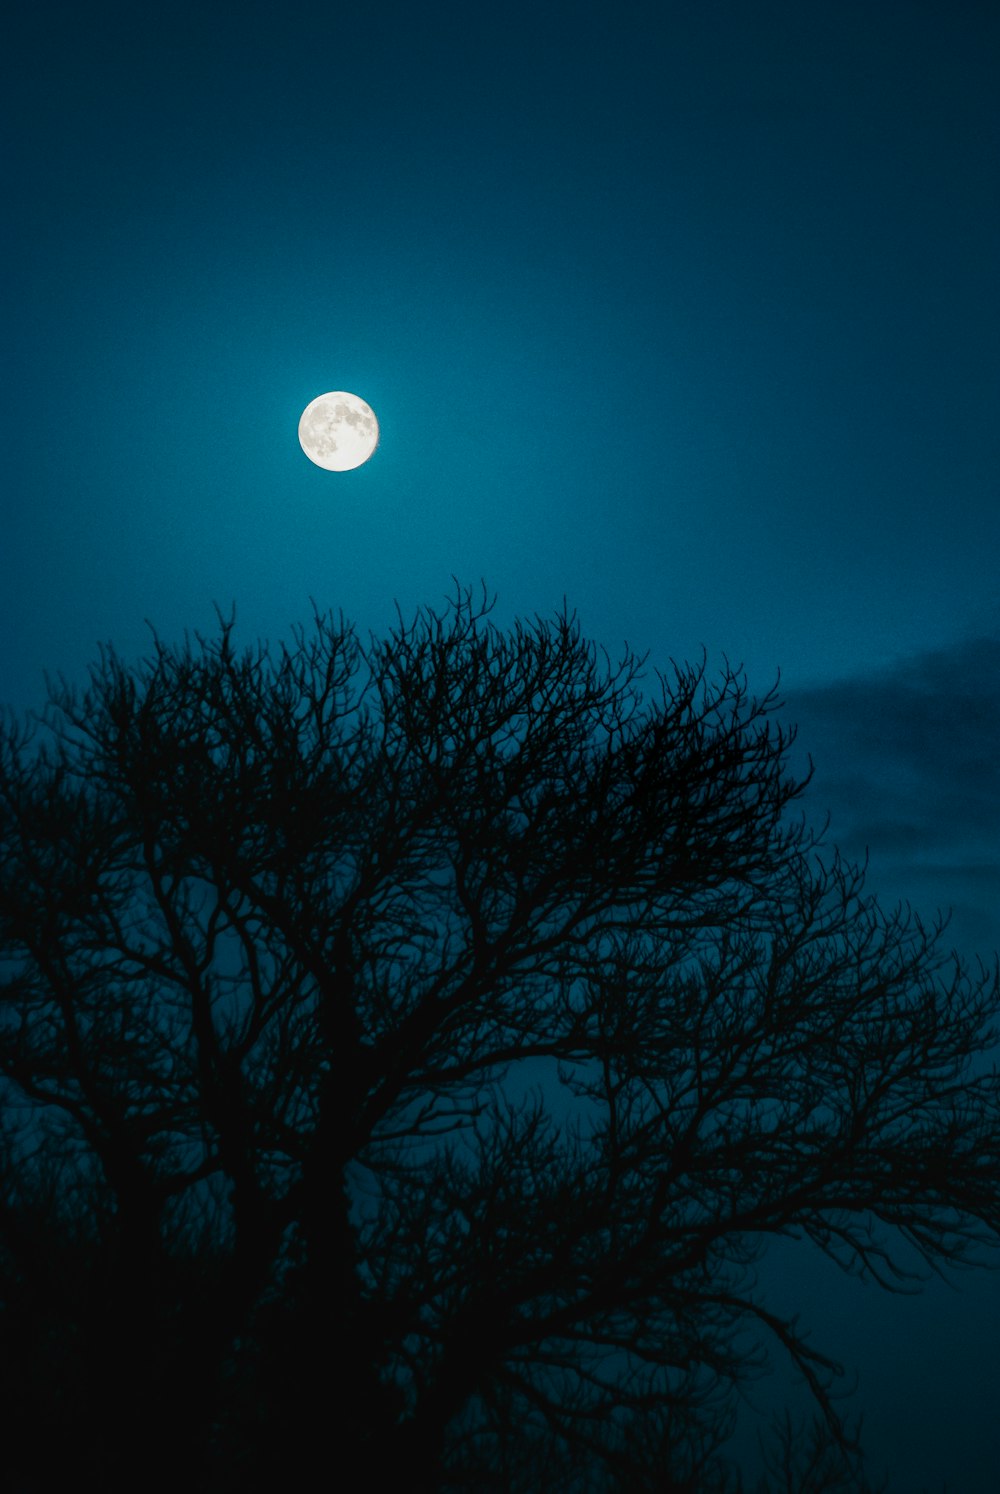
(908, 767)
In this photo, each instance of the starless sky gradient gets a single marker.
(685, 312)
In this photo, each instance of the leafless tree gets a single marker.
(407, 1049)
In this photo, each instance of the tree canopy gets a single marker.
(408, 1047)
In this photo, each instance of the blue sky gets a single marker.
(685, 313)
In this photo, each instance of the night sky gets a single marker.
(687, 313)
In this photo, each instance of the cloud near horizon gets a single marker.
(907, 764)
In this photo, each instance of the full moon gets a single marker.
(338, 431)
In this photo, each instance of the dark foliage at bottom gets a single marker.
(406, 1051)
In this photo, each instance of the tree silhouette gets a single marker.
(408, 1048)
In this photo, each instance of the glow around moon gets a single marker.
(338, 431)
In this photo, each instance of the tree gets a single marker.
(408, 1048)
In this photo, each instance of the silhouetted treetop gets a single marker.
(409, 1045)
